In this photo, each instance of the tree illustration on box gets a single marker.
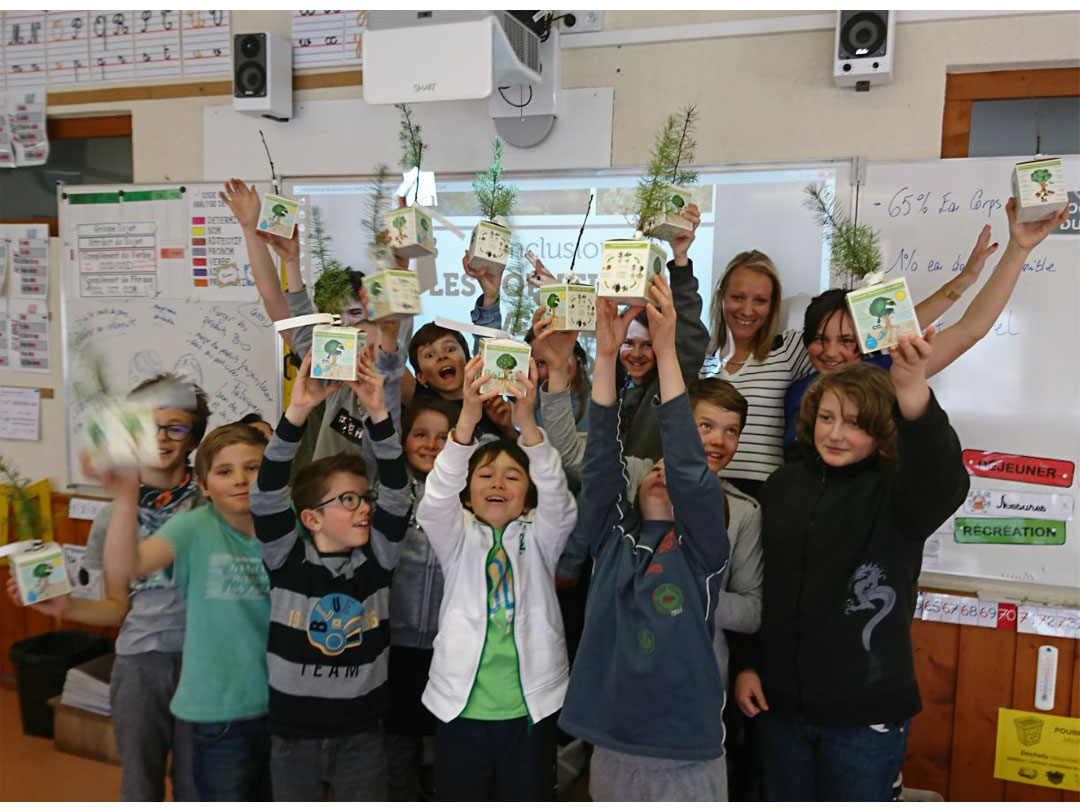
(552, 302)
(333, 349)
(1042, 177)
(376, 289)
(399, 223)
(507, 362)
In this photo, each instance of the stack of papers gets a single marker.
(87, 685)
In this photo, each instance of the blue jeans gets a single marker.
(803, 761)
(352, 767)
(232, 761)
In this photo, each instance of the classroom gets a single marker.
(386, 395)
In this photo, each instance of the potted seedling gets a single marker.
(854, 254)
(489, 246)
(37, 566)
(391, 291)
(662, 198)
(628, 265)
(570, 304)
(1039, 188)
(410, 228)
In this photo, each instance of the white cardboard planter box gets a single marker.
(572, 307)
(882, 315)
(1039, 189)
(489, 247)
(391, 293)
(334, 350)
(627, 268)
(40, 573)
(120, 434)
(278, 216)
(502, 358)
(410, 231)
(672, 223)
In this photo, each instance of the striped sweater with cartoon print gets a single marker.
(329, 613)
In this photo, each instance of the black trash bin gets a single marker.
(41, 663)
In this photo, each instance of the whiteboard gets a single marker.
(157, 276)
(743, 206)
(1018, 390)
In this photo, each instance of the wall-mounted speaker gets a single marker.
(262, 76)
(865, 47)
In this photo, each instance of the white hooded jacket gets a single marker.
(533, 544)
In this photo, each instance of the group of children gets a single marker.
(310, 601)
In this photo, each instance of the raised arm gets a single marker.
(554, 350)
(487, 311)
(440, 513)
(987, 306)
(691, 336)
(938, 302)
(127, 559)
(271, 497)
(693, 488)
(931, 482)
(243, 201)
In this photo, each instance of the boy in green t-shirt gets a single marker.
(218, 567)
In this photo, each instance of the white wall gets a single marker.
(766, 97)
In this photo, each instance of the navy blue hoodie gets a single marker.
(645, 680)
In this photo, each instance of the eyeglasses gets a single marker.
(175, 432)
(350, 500)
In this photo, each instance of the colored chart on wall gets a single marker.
(156, 279)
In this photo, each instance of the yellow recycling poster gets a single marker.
(1038, 749)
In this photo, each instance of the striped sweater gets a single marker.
(329, 613)
(764, 384)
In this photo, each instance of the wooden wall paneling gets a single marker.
(936, 649)
(1023, 699)
(1074, 709)
(12, 626)
(984, 681)
(956, 129)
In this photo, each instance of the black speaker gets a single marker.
(249, 65)
(862, 34)
(262, 75)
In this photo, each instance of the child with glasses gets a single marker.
(330, 595)
(149, 611)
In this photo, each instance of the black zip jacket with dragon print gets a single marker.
(842, 553)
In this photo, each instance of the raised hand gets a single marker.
(680, 245)
(661, 314)
(549, 345)
(982, 251)
(1027, 235)
(307, 393)
(116, 481)
(287, 249)
(243, 201)
(472, 401)
(611, 327)
(909, 358)
(369, 388)
(490, 280)
(540, 274)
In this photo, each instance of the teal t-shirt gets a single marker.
(496, 692)
(220, 572)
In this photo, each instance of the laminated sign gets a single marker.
(1038, 749)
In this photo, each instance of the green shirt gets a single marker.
(496, 692)
(220, 572)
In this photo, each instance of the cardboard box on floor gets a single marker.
(83, 733)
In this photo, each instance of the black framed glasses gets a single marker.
(175, 432)
(350, 500)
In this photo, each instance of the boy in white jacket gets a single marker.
(497, 516)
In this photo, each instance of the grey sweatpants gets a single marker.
(352, 767)
(141, 688)
(617, 777)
